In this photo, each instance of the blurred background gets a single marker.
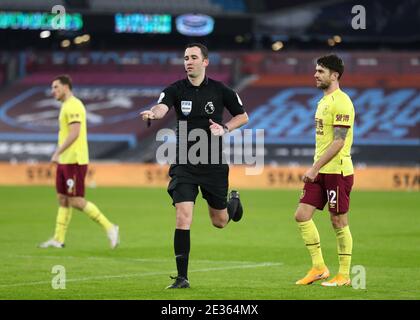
(121, 54)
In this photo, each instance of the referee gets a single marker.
(199, 102)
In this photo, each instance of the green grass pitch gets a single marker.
(258, 258)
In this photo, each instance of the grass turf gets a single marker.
(258, 258)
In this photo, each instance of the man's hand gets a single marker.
(147, 115)
(310, 175)
(217, 129)
(54, 157)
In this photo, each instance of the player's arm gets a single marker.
(74, 131)
(340, 133)
(155, 113)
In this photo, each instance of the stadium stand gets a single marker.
(151, 6)
(30, 5)
(231, 5)
(114, 87)
(279, 97)
(2, 77)
(392, 18)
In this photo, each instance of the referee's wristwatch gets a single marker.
(225, 128)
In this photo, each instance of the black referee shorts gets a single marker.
(213, 184)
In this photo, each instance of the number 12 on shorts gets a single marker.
(332, 198)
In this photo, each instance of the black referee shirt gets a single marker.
(197, 104)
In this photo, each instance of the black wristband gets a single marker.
(225, 127)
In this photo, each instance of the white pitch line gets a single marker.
(249, 266)
(129, 259)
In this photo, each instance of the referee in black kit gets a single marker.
(199, 102)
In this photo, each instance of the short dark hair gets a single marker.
(203, 48)
(65, 79)
(332, 62)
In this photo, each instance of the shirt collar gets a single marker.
(329, 95)
(202, 84)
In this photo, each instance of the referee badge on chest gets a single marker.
(186, 107)
(209, 107)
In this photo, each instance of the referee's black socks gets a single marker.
(182, 251)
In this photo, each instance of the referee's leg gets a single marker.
(184, 213)
(219, 218)
(182, 243)
(183, 197)
(221, 209)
